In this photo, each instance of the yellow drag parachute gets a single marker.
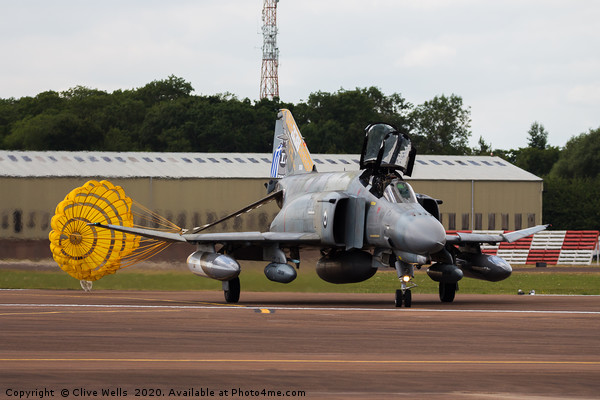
(87, 252)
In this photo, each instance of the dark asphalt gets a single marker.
(187, 344)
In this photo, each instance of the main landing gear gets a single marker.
(448, 291)
(231, 289)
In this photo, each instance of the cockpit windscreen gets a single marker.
(399, 191)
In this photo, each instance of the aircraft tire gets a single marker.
(407, 298)
(403, 298)
(398, 298)
(233, 294)
(447, 292)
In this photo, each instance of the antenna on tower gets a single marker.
(269, 83)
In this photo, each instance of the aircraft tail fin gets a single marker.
(290, 154)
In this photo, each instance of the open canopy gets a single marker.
(386, 148)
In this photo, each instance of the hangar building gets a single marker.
(191, 189)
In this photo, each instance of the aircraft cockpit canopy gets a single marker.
(398, 191)
(386, 148)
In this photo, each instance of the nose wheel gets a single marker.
(405, 273)
(403, 297)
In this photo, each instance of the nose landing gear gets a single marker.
(406, 273)
(403, 296)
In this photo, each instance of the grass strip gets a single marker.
(253, 280)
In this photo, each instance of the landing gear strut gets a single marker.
(405, 273)
(231, 289)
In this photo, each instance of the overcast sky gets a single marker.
(512, 61)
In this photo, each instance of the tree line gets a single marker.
(164, 115)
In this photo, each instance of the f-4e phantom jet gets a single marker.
(361, 221)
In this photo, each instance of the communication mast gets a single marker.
(269, 83)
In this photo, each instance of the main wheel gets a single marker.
(447, 292)
(232, 294)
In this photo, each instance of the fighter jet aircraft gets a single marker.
(361, 221)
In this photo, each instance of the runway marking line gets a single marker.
(307, 361)
(77, 312)
(271, 309)
(86, 295)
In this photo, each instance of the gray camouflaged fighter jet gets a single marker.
(360, 220)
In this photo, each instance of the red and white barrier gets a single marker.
(551, 247)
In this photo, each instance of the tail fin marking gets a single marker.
(290, 154)
(276, 162)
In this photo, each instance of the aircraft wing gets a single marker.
(510, 237)
(222, 237)
(254, 237)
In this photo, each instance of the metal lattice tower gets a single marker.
(269, 83)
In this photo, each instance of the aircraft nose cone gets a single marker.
(424, 235)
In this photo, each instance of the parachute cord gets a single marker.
(155, 220)
(144, 252)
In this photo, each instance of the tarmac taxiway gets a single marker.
(283, 345)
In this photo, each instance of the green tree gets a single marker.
(537, 161)
(538, 158)
(45, 102)
(484, 149)
(63, 131)
(116, 139)
(8, 116)
(572, 203)
(335, 122)
(508, 155)
(580, 158)
(168, 89)
(121, 119)
(442, 126)
(164, 127)
(538, 137)
(572, 189)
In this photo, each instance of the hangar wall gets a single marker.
(29, 204)
(486, 205)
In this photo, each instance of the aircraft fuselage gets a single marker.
(345, 213)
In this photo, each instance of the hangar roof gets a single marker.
(233, 165)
